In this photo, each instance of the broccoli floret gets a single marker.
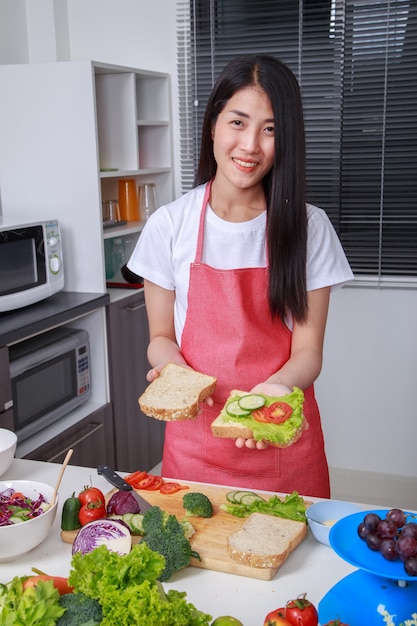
(197, 504)
(80, 610)
(165, 534)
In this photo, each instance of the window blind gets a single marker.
(356, 62)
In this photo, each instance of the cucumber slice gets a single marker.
(247, 495)
(248, 498)
(230, 496)
(251, 402)
(234, 409)
(136, 524)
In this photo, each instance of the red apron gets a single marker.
(229, 333)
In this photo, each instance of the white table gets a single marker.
(312, 568)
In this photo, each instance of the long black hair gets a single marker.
(284, 185)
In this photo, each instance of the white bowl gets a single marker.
(321, 516)
(18, 539)
(8, 443)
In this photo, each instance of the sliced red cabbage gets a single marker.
(114, 534)
(18, 508)
(122, 502)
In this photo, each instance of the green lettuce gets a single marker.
(128, 589)
(291, 507)
(279, 434)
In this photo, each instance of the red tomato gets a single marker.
(277, 413)
(91, 494)
(171, 487)
(157, 483)
(300, 612)
(132, 478)
(335, 622)
(91, 511)
(275, 618)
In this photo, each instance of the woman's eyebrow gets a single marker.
(242, 114)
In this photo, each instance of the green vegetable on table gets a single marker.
(70, 510)
(291, 507)
(34, 606)
(80, 610)
(165, 534)
(128, 589)
(197, 504)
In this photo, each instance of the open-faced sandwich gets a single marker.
(278, 421)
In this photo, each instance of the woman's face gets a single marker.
(243, 138)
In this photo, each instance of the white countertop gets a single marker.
(312, 568)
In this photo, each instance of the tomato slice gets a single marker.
(172, 487)
(157, 483)
(132, 478)
(144, 483)
(277, 413)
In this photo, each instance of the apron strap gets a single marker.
(200, 239)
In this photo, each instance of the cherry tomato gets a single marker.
(132, 478)
(157, 483)
(171, 487)
(90, 494)
(335, 622)
(276, 413)
(275, 618)
(300, 612)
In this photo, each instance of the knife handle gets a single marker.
(113, 478)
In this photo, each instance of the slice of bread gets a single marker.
(289, 432)
(265, 540)
(176, 393)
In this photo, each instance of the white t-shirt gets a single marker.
(168, 242)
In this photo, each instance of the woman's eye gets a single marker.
(270, 130)
(237, 123)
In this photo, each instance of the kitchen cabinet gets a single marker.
(91, 440)
(6, 412)
(138, 438)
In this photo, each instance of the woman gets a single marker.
(238, 274)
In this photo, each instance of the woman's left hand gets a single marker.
(252, 444)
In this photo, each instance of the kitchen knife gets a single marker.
(117, 481)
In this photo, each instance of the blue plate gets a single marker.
(345, 541)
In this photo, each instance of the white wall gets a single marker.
(367, 387)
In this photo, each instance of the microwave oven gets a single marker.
(31, 264)
(50, 376)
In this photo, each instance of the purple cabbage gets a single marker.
(114, 534)
(25, 508)
(122, 502)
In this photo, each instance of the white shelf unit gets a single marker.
(134, 135)
(60, 124)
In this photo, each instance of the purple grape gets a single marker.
(373, 541)
(387, 529)
(388, 549)
(397, 516)
(371, 521)
(363, 531)
(406, 546)
(409, 530)
(410, 566)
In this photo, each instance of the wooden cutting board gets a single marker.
(210, 538)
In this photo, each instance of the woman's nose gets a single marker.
(250, 141)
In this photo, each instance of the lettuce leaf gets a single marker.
(291, 507)
(279, 434)
(128, 590)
